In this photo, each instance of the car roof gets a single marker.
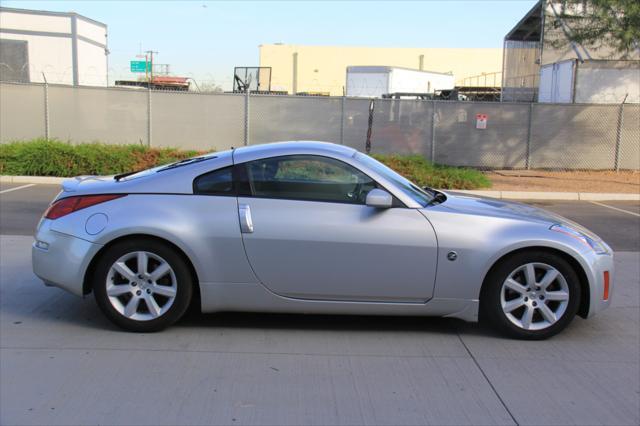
(248, 153)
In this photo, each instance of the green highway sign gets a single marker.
(140, 66)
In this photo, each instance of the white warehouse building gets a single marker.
(64, 48)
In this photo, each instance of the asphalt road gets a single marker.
(62, 362)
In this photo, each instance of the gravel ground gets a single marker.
(576, 181)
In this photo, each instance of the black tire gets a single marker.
(490, 306)
(184, 284)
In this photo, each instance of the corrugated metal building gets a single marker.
(533, 69)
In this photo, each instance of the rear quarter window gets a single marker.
(217, 182)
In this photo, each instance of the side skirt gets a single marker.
(253, 297)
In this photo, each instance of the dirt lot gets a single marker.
(576, 181)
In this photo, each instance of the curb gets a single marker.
(566, 196)
(32, 179)
(511, 195)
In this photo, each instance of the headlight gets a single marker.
(596, 245)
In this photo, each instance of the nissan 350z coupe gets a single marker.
(312, 227)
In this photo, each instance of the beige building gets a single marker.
(298, 68)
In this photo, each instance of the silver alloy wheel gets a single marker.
(534, 296)
(141, 286)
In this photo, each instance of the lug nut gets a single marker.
(541, 297)
(537, 288)
(139, 276)
(138, 292)
(535, 304)
(526, 299)
(148, 291)
(149, 281)
(134, 283)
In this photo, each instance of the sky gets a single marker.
(206, 39)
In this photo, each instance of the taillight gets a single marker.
(71, 204)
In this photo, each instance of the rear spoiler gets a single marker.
(71, 185)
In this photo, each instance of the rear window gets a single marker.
(147, 172)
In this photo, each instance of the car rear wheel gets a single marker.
(142, 285)
(531, 295)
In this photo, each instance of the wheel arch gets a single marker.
(87, 285)
(585, 298)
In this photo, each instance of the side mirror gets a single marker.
(379, 198)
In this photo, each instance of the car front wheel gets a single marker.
(531, 295)
(142, 285)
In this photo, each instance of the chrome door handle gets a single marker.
(246, 224)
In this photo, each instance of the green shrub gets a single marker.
(40, 157)
(420, 171)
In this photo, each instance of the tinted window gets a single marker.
(218, 182)
(308, 177)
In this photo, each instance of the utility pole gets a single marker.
(148, 57)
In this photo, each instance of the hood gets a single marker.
(484, 206)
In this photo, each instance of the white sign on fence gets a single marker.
(481, 121)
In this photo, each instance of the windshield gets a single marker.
(418, 194)
(186, 161)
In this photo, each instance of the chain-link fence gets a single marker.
(461, 133)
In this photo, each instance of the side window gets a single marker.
(308, 177)
(217, 182)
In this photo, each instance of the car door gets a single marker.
(308, 234)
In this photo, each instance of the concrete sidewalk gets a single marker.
(513, 195)
(62, 363)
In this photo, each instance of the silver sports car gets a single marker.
(311, 227)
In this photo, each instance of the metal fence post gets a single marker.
(529, 127)
(433, 131)
(46, 108)
(149, 117)
(616, 165)
(367, 145)
(246, 116)
(342, 120)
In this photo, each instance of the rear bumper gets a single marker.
(61, 260)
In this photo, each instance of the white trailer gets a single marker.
(375, 81)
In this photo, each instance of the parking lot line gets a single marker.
(615, 208)
(17, 187)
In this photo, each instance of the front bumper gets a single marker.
(61, 260)
(597, 266)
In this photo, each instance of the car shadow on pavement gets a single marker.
(317, 322)
(69, 310)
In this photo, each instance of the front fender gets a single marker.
(480, 241)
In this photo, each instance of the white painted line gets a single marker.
(17, 187)
(615, 208)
